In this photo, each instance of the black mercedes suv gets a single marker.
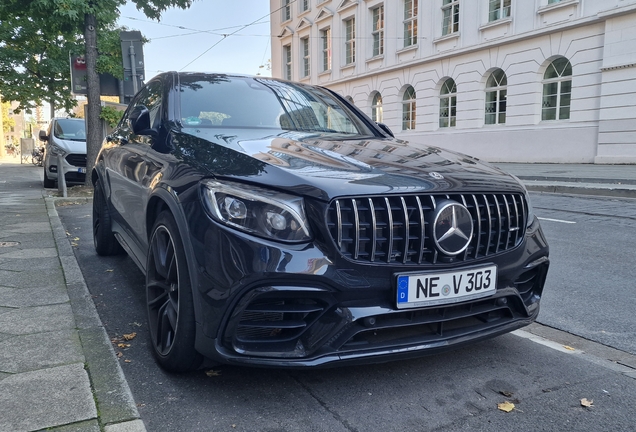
(277, 225)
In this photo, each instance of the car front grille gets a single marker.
(76, 159)
(397, 229)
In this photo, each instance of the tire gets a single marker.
(169, 300)
(103, 238)
(48, 183)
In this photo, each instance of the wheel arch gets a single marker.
(162, 200)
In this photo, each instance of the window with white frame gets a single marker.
(304, 5)
(304, 46)
(450, 20)
(325, 40)
(286, 10)
(377, 32)
(557, 90)
(287, 61)
(350, 40)
(410, 22)
(448, 104)
(408, 109)
(553, 1)
(376, 108)
(498, 9)
(496, 96)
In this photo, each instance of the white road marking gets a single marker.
(546, 342)
(556, 220)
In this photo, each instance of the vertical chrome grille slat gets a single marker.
(356, 229)
(509, 222)
(374, 227)
(406, 231)
(389, 213)
(350, 219)
(471, 239)
(422, 230)
(498, 223)
(487, 206)
(339, 224)
(478, 226)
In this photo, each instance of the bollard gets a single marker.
(61, 180)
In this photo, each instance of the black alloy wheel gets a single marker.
(103, 238)
(169, 299)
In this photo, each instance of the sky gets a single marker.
(185, 39)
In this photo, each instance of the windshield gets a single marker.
(70, 129)
(236, 102)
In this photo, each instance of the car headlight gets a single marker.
(57, 150)
(256, 210)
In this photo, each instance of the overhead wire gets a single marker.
(236, 31)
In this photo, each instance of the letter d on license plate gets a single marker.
(428, 289)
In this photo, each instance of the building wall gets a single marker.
(598, 37)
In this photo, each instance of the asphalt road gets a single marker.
(589, 293)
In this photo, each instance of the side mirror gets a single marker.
(385, 128)
(43, 136)
(139, 121)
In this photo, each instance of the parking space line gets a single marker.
(556, 220)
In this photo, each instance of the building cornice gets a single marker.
(581, 22)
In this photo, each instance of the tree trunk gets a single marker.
(93, 108)
(52, 104)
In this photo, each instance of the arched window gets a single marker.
(557, 90)
(376, 108)
(448, 104)
(408, 109)
(496, 94)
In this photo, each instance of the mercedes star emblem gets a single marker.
(452, 228)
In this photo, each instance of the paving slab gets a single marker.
(27, 297)
(46, 398)
(85, 426)
(37, 319)
(41, 350)
(33, 277)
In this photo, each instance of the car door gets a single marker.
(127, 171)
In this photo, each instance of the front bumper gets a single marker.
(262, 304)
(73, 166)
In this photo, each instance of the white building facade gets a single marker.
(504, 80)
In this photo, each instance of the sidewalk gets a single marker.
(586, 179)
(58, 370)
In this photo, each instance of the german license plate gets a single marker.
(81, 170)
(428, 289)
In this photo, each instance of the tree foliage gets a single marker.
(35, 38)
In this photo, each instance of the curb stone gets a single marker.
(117, 409)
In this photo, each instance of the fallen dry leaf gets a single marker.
(506, 393)
(506, 406)
(119, 354)
(586, 403)
(110, 270)
(126, 361)
(123, 345)
(130, 336)
(76, 239)
(569, 348)
(213, 373)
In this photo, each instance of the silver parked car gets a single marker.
(65, 137)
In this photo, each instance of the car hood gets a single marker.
(71, 146)
(324, 166)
